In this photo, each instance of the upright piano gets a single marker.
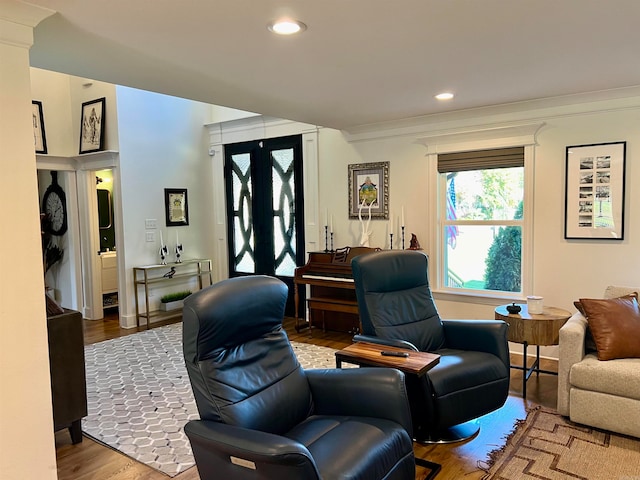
(332, 301)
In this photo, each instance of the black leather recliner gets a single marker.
(472, 379)
(264, 417)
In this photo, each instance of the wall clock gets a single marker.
(54, 204)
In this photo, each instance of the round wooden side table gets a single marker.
(533, 329)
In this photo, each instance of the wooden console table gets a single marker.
(533, 329)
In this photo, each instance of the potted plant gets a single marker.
(173, 301)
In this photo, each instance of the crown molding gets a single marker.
(17, 21)
(530, 111)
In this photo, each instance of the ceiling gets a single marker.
(359, 63)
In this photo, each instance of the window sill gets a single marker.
(477, 298)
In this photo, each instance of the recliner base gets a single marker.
(456, 433)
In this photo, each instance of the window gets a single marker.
(481, 225)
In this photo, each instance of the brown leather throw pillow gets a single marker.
(589, 343)
(615, 326)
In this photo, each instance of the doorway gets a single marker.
(108, 261)
(265, 205)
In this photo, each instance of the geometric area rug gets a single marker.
(546, 445)
(139, 397)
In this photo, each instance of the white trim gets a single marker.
(482, 138)
(468, 139)
(51, 162)
(254, 128)
(259, 128)
(97, 160)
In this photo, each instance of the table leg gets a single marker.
(296, 302)
(524, 371)
(433, 466)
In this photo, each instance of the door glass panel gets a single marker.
(284, 233)
(244, 248)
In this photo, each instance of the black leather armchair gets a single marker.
(472, 379)
(263, 416)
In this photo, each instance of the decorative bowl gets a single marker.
(513, 308)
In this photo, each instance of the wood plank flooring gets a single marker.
(90, 460)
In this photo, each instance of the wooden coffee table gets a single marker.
(533, 329)
(417, 363)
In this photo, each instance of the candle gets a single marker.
(331, 223)
(326, 218)
(390, 222)
(161, 241)
(402, 219)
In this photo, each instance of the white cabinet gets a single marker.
(109, 274)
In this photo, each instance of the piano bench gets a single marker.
(324, 304)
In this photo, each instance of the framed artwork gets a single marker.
(92, 126)
(594, 191)
(39, 137)
(369, 186)
(176, 207)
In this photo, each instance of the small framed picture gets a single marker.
(176, 207)
(39, 137)
(92, 126)
(594, 191)
(369, 190)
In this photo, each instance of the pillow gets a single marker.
(615, 326)
(589, 342)
(53, 308)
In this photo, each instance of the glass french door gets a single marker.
(265, 208)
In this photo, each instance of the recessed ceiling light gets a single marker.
(286, 27)
(444, 96)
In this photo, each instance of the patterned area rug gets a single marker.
(546, 446)
(139, 396)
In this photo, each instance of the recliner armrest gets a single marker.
(571, 351)
(389, 342)
(361, 392)
(227, 451)
(480, 335)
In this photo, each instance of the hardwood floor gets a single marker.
(90, 460)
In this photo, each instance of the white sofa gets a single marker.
(601, 394)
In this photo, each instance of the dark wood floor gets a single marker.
(92, 461)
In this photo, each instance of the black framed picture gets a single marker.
(594, 191)
(39, 137)
(176, 207)
(92, 123)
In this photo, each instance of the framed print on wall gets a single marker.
(92, 126)
(369, 185)
(594, 191)
(176, 207)
(39, 137)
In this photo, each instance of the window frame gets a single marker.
(522, 135)
(443, 223)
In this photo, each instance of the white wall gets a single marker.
(53, 90)
(563, 270)
(162, 145)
